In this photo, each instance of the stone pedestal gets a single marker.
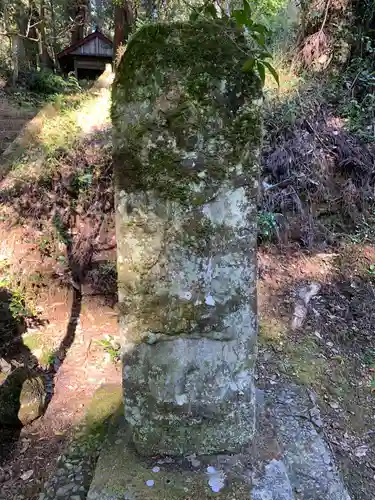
(288, 460)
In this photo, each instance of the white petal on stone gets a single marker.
(156, 469)
(185, 295)
(150, 483)
(210, 301)
(27, 475)
(216, 479)
(181, 399)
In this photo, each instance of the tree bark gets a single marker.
(53, 29)
(124, 19)
(45, 60)
(79, 12)
(15, 65)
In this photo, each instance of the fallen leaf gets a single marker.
(27, 475)
(361, 451)
(333, 405)
(25, 445)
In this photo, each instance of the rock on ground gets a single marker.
(23, 396)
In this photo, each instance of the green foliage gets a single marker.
(269, 8)
(353, 95)
(111, 347)
(82, 181)
(45, 246)
(47, 83)
(18, 306)
(257, 32)
(267, 225)
(61, 230)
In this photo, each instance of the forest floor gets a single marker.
(316, 281)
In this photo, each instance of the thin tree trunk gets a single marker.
(53, 26)
(13, 46)
(44, 57)
(124, 19)
(15, 62)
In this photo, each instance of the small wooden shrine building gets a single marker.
(88, 57)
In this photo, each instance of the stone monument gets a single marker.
(187, 134)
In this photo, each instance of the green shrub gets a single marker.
(267, 226)
(47, 82)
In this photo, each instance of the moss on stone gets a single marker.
(187, 132)
(180, 111)
(122, 473)
(40, 346)
(33, 399)
(22, 397)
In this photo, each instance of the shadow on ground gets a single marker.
(16, 365)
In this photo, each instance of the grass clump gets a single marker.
(21, 301)
(111, 348)
(271, 331)
(40, 346)
(54, 134)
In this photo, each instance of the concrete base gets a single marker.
(122, 474)
(289, 460)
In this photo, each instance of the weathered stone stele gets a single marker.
(187, 134)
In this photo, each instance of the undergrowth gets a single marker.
(57, 131)
(318, 157)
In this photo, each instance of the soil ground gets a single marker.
(58, 247)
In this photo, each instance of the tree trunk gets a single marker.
(13, 46)
(79, 12)
(53, 26)
(15, 64)
(45, 60)
(27, 49)
(124, 19)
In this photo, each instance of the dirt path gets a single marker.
(331, 351)
(85, 368)
(71, 285)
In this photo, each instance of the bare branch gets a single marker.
(10, 34)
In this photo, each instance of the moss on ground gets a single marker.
(105, 402)
(271, 330)
(40, 346)
(105, 407)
